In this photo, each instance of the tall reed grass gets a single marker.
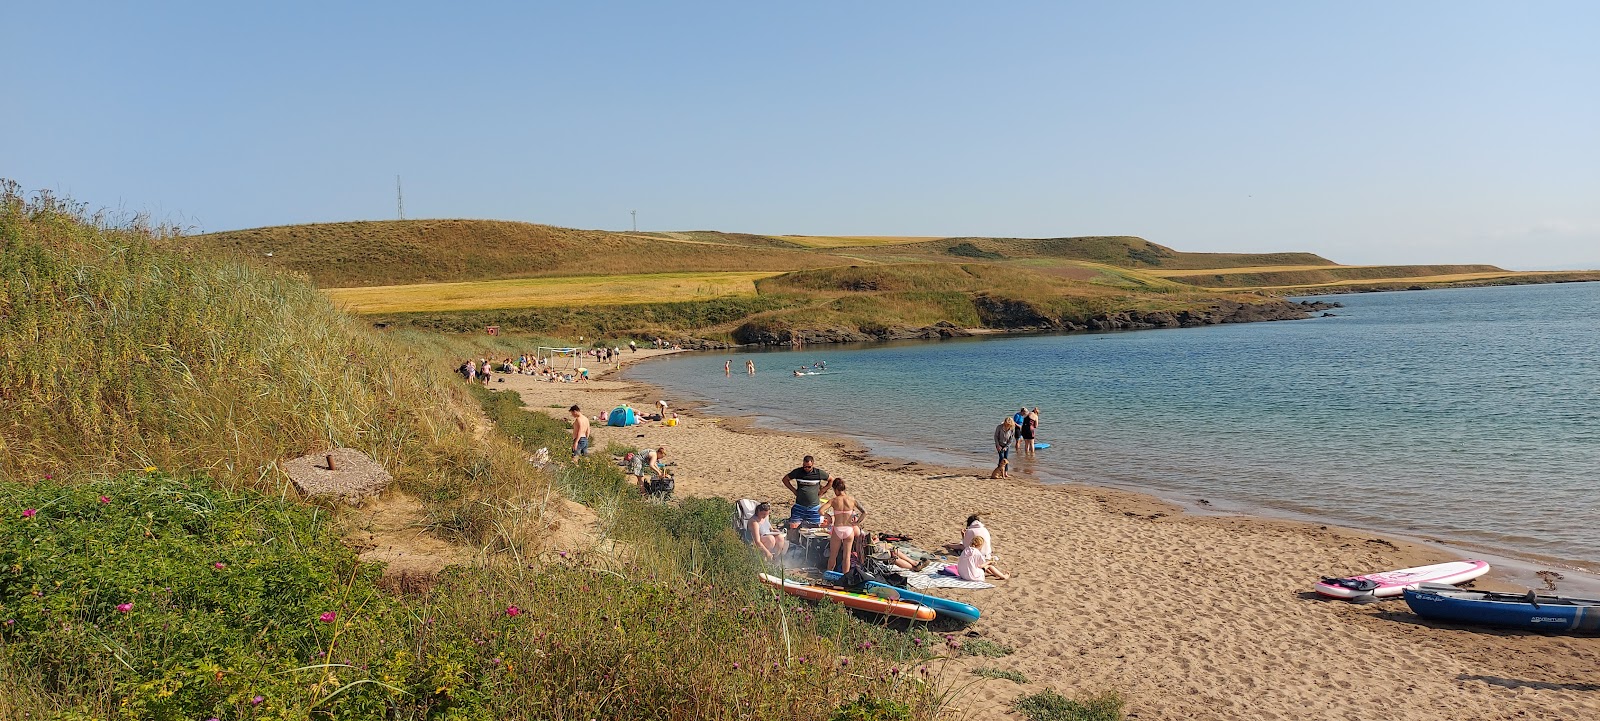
(120, 348)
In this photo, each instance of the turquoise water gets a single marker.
(1470, 415)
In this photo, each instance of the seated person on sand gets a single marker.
(975, 562)
(974, 528)
(771, 543)
(646, 464)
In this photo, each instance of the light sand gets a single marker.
(1189, 617)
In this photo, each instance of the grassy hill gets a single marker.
(154, 565)
(461, 275)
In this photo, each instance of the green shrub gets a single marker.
(1048, 705)
(984, 647)
(1008, 675)
(866, 708)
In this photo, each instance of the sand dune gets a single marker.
(1189, 617)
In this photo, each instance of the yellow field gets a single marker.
(852, 241)
(1254, 269)
(536, 292)
(1415, 280)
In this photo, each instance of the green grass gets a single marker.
(985, 647)
(1051, 706)
(988, 672)
(119, 351)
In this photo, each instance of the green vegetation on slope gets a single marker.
(177, 595)
(117, 352)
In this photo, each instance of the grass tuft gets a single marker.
(1048, 705)
(985, 647)
(989, 672)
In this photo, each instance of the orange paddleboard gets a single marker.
(858, 601)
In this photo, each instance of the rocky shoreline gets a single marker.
(1010, 316)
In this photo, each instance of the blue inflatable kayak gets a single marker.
(1506, 610)
(946, 608)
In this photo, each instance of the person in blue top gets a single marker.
(1021, 415)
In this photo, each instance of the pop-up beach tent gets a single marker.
(621, 416)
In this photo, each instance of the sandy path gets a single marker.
(1189, 617)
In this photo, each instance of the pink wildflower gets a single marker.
(124, 607)
(513, 611)
(219, 565)
(257, 700)
(29, 512)
(736, 665)
(104, 500)
(328, 617)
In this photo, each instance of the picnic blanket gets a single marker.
(930, 577)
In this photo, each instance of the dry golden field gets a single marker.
(544, 292)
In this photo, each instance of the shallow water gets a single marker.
(1471, 415)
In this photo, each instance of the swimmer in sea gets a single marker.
(797, 374)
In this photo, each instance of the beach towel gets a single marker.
(931, 578)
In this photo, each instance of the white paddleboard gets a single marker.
(1392, 583)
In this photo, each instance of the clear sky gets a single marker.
(1369, 132)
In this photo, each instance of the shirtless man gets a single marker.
(580, 432)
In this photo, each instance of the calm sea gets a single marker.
(1471, 415)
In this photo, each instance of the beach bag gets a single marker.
(859, 575)
(660, 487)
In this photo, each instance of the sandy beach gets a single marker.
(1189, 617)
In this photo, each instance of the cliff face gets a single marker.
(1019, 316)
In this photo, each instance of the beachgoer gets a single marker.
(976, 529)
(1017, 418)
(727, 368)
(771, 543)
(663, 404)
(1004, 434)
(633, 346)
(1027, 430)
(580, 432)
(974, 562)
(842, 532)
(648, 463)
(797, 374)
(807, 484)
(750, 367)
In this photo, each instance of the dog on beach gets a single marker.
(1000, 471)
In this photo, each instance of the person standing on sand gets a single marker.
(750, 367)
(580, 432)
(806, 482)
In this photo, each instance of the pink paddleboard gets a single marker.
(1392, 583)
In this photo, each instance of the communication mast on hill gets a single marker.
(399, 199)
(635, 215)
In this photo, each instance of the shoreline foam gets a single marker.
(1190, 616)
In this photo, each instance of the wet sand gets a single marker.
(1189, 617)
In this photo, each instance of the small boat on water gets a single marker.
(857, 601)
(1506, 610)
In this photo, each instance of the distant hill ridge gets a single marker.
(398, 252)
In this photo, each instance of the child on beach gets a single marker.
(974, 562)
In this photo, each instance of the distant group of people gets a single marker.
(842, 514)
(1016, 432)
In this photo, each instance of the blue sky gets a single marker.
(1366, 132)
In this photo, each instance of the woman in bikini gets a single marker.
(842, 511)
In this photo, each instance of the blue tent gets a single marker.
(621, 416)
